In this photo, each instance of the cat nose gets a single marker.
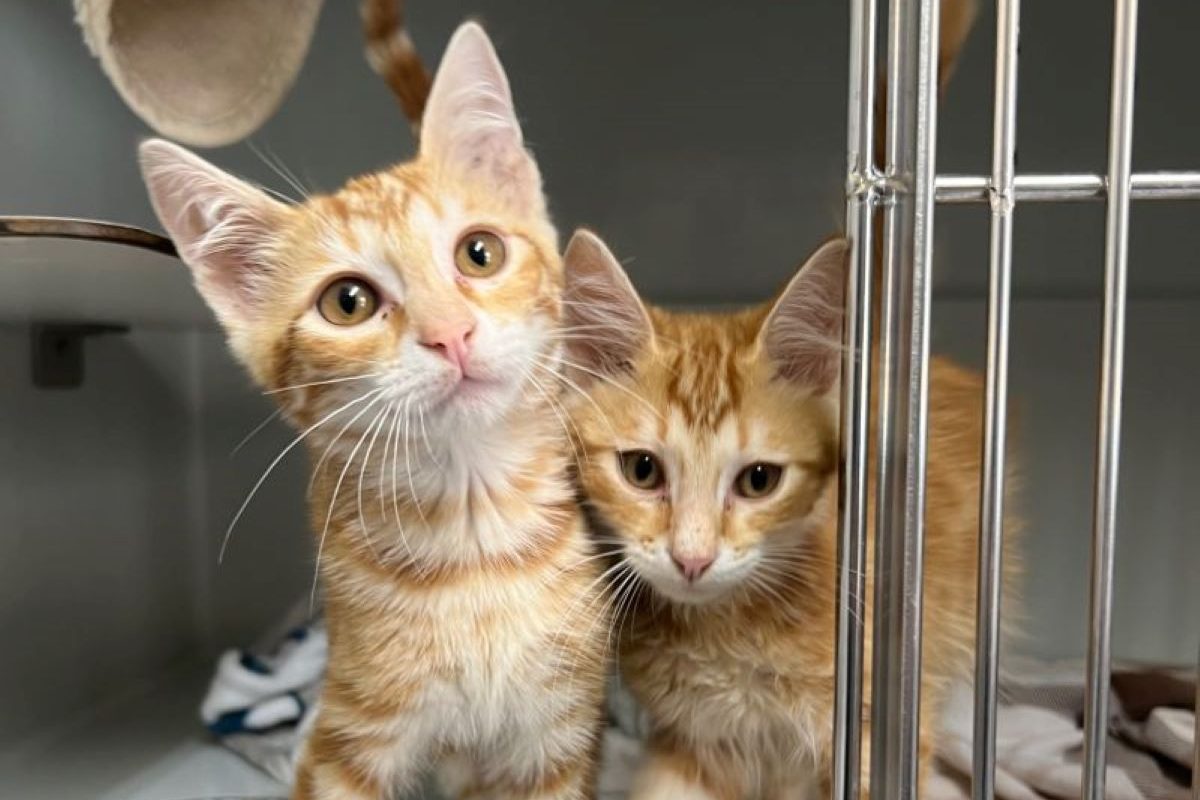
(692, 566)
(450, 340)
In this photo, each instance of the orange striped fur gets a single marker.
(736, 667)
(466, 618)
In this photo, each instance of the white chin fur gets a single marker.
(677, 590)
(723, 578)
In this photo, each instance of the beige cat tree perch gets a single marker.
(203, 72)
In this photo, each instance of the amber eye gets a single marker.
(757, 480)
(348, 302)
(642, 469)
(479, 254)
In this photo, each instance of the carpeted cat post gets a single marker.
(202, 72)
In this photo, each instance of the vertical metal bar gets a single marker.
(904, 397)
(855, 414)
(1120, 140)
(991, 507)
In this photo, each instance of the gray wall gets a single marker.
(98, 526)
(1053, 386)
(704, 140)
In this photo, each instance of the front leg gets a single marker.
(349, 757)
(673, 772)
(925, 756)
(560, 762)
(574, 780)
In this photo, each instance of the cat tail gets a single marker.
(956, 19)
(391, 53)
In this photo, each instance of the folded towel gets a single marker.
(1039, 747)
(1172, 732)
(259, 704)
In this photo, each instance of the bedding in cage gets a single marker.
(260, 702)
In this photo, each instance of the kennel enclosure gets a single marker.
(905, 190)
(118, 489)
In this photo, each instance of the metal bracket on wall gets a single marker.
(56, 352)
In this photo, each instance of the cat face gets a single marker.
(431, 289)
(709, 442)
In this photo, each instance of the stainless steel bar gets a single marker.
(855, 403)
(1112, 364)
(991, 508)
(904, 397)
(1083, 186)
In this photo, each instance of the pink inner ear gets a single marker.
(806, 357)
(606, 321)
(227, 253)
(803, 333)
(470, 125)
(221, 225)
(225, 271)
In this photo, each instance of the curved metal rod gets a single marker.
(92, 230)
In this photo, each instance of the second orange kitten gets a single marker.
(709, 460)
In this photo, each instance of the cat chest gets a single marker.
(737, 696)
(470, 663)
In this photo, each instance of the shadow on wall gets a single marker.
(113, 499)
(99, 516)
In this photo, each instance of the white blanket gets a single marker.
(261, 704)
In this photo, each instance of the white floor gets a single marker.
(147, 744)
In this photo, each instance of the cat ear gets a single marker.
(802, 334)
(223, 227)
(605, 322)
(470, 125)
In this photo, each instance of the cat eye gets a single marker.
(479, 254)
(348, 301)
(642, 469)
(757, 480)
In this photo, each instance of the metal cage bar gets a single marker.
(855, 399)
(908, 187)
(1083, 186)
(903, 402)
(991, 504)
(1112, 364)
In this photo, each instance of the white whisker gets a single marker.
(312, 599)
(363, 376)
(377, 424)
(262, 479)
(257, 429)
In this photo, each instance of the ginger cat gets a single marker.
(407, 325)
(709, 461)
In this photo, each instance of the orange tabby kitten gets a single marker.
(407, 326)
(709, 458)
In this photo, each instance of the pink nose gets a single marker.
(452, 341)
(692, 566)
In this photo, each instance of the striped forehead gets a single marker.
(700, 453)
(393, 243)
(703, 381)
